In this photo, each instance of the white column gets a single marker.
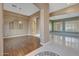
(44, 23)
(1, 30)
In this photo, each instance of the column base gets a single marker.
(44, 43)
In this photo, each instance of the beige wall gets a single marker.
(38, 26)
(32, 18)
(1, 30)
(8, 17)
(27, 24)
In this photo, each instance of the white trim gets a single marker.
(21, 35)
(15, 36)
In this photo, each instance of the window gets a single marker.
(58, 26)
(72, 26)
(68, 25)
(20, 25)
(34, 26)
(11, 25)
(15, 25)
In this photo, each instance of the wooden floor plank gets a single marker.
(20, 46)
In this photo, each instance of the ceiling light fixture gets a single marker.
(20, 22)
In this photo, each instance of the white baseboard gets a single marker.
(20, 35)
(15, 36)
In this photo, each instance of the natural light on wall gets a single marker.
(34, 26)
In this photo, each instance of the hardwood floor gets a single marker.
(20, 46)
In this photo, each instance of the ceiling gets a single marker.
(21, 8)
(57, 6)
(29, 8)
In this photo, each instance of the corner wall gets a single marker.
(8, 17)
(1, 29)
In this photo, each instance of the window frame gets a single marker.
(63, 25)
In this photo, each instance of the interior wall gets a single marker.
(31, 29)
(38, 26)
(29, 26)
(8, 17)
(1, 30)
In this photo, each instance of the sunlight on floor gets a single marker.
(67, 41)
